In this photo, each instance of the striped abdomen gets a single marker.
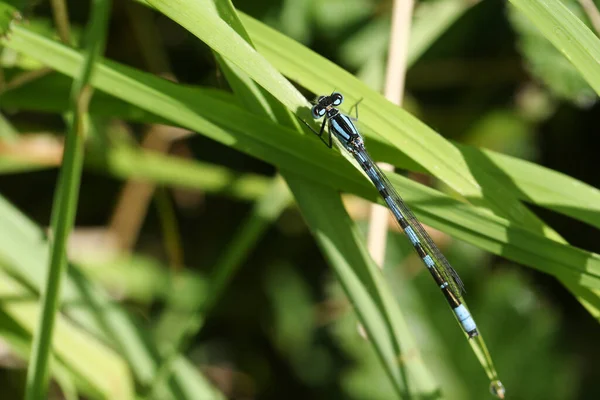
(422, 243)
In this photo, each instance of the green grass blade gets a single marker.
(286, 149)
(23, 245)
(529, 182)
(396, 126)
(215, 33)
(546, 64)
(65, 204)
(197, 18)
(266, 210)
(131, 163)
(430, 21)
(460, 172)
(568, 34)
(100, 372)
(363, 285)
(500, 236)
(398, 338)
(542, 186)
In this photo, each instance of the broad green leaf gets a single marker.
(308, 69)
(541, 186)
(25, 97)
(533, 182)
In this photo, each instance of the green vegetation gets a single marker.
(197, 242)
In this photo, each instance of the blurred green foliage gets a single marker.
(254, 308)
(547, 64)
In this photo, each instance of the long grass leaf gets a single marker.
(285, 149)
(24, 248)
(427, 148)
(65, 203)
(363, 284)
(100, 372)
(568, 34)
(527, 181)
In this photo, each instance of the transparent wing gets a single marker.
(441, 264)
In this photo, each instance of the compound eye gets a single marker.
(337, 98)
(317, 112)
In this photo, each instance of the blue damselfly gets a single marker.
(342, 127)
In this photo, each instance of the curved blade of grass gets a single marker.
(309, 69)
(406, 133)
(530, 182)
(568, 34)
(427, 148)
(392, 317)
(497, 235)
(542, 186)
(545, 63)
(262, 139)
(341, 243)
(259, 101)
(438, 208)
(222, 38)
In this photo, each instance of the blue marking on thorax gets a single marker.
(411, 235)
(339, 131)
(343, 128)
(349, 123)
(428, 261)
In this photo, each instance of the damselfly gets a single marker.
(342, 127)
